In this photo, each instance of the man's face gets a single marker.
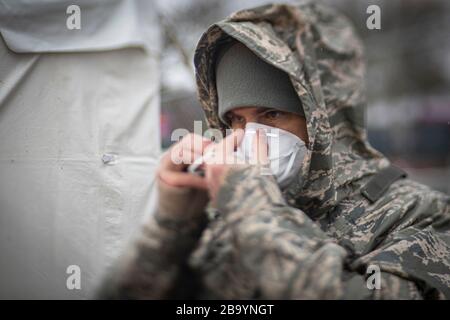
(294, 123)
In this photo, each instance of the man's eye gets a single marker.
(273, 114)
(236, 119)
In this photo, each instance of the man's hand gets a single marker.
(182, 195)
(172, 171)
(174, 162)
(224, 159)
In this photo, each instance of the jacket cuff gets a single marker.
(180, 204)
(180, 216)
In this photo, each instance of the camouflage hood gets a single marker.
(319, 50)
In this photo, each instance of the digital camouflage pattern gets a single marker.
(316, 239)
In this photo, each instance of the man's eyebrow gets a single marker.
(262, 110)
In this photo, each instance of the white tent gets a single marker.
(80, 140)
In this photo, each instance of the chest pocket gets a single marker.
(381, 181)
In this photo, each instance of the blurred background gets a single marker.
(408, 76)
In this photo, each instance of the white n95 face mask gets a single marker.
(286, 151)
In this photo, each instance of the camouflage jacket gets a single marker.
(318, 238)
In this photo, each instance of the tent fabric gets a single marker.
(79, 147)
(41, 26)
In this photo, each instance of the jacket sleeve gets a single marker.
(278, 252)
(154, 266)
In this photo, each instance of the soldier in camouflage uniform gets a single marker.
(348, 209)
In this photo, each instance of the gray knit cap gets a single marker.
(243, 79)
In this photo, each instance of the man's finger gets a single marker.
(193, 142)
(226, 147)
(188, 149)
(235, 141)
(177, 159)
(182, 179)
